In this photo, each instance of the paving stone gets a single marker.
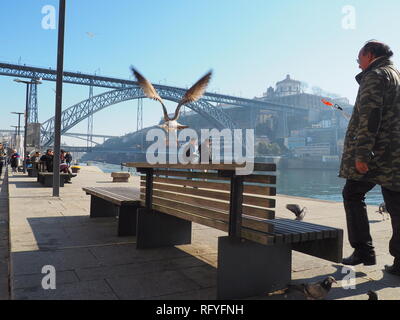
(32, 262)
(122, 254)
(204, 276)
(200, 294)
(137, 268)
(152, 285)
(84, 290)
(35, 280)
(93, 263)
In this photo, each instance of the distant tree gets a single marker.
(272, 149)
(262, 148)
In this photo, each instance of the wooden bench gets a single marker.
(255, 257)
(46, 178)
(120, 202)
(33, 171)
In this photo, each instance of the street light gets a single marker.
(28, 83)
(19, 120)
(16, 128)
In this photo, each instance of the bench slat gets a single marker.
(304, 235)
(247, 199)
(118, 196)
(323, 231)
(255, 178)
(247, 221)
(211, 166)
(204, 202)
(312, 234)
(190, 174)
(194, 183)
(247, 189)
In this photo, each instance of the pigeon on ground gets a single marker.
(192, 95)
(315, 291)
(295, 208)
(382, 210)
(372, 295)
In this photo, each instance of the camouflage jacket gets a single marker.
(373, 134)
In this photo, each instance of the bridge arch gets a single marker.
(73, 115)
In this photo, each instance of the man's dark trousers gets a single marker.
(357, 218)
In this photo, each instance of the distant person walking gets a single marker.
(371, 154)
(14, 161)
(2, 158)
(68, 158)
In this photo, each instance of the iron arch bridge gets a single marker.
(82, 110)
(126, 90)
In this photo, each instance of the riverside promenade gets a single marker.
(91, 262)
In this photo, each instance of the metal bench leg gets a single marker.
(127, 220)
(100, 208)
(47, 180)
(156, 229)
(247, 269)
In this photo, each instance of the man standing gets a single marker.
(2, 158)
(371, 152)
(14, 161)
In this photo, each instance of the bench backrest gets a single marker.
(216, 197)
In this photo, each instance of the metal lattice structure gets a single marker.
(33, 104)
(127, 89)
(49, 74)
(82, 110)
(139, 115)
(90, 120)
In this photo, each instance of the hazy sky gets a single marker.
(250, 45)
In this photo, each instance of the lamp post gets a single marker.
(19, 120)
(12, 140)
(28, 83)
(58, 103)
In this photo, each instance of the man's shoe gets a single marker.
(394, 269)
(357, 258)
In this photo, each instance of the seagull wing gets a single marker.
(194, 93)
(295, 208)
(149, 90)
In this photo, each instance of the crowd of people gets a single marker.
(42, 162)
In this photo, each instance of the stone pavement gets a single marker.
(4, 238)
(91, 262)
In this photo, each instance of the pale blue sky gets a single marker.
(250, 45)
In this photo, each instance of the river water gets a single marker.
(318, 184)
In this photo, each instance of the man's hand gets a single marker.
(361, 167)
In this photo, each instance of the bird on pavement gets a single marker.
(315, 291)
(372, 295)
(192, 95)
(382, 210)
(295, 208)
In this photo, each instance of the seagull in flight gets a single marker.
(192, 95)
(90, 34)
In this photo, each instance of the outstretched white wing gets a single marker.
(194, 93)
(149, 90)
